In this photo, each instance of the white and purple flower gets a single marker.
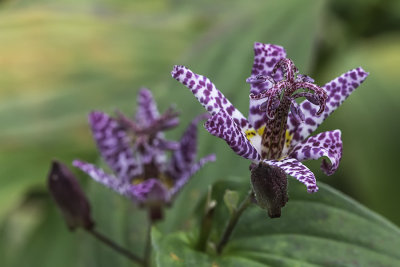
(135, 150)
(276, 130)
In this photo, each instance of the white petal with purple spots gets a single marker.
(146, 112)
(184, 178)
(328, 144)
(223, 126)
(265, 58)
(338, 90)
(114, 145)
(184, 157)
(100, 176)
(208, 95)
(295, 168)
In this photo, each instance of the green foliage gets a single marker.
(323, 229)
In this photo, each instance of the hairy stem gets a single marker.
(115, 247)
(233, 221)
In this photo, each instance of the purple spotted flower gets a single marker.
(276, 130)
(135, 150)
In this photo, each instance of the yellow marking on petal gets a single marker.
(282, 158)
(174, 257)
(214, 265)
(261, 130)
(167, 181)
(137, 181)
(250, 133)
(288, 138)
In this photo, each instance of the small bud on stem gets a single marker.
(69, 197)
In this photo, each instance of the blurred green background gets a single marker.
(59, 61)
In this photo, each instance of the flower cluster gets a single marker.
(276, 130)
(135, 150)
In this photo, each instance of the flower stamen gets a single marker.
(281, 99)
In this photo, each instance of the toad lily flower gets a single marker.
(136, 153)
(274, 137)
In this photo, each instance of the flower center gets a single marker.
(281, 99)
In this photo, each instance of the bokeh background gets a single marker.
(61, 59)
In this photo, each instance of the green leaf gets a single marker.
(322, 229)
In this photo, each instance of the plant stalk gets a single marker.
(116, 247)
(233, 221)
(147, 250)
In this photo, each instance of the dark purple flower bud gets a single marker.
(69, 197)
(270, 188)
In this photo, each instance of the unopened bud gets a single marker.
(270, 188)
(69, 197)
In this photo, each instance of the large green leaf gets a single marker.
(322, 229)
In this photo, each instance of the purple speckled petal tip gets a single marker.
(295, 168)
(184, 178)
(328, 144)
(100, 176)
(265, 58)
(114, 145)
(208, 95)
(338, 90)
(223, 126)
(147, 111)
(185, 156)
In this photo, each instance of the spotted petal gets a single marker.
(147, 111)
(223, 126)
(338, 90)
(114, 145)
(265, 58)
(100, 176)
(295, 168)
(185, 176)
(184, 157)
(328, 144)
(149, 192)
(208, 95)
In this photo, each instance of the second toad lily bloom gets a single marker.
(276, 130)
(135, 150)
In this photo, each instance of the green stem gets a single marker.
(115, 247)
(233, 221)
(206, 226)
(147, 250)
